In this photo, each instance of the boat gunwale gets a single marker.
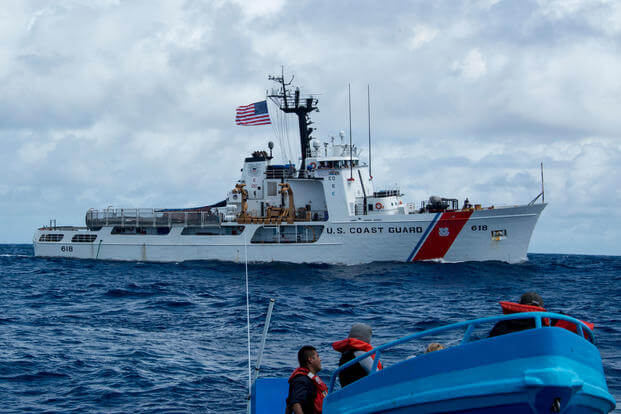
(470, 324)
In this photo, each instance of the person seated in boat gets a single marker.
(306, 389)
(529, 302)
(434, 346)
(357, 343)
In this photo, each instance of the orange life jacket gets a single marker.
(355, 345)
(572, 326)
(511, 307)
(321, 389)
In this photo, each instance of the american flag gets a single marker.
(253, 114)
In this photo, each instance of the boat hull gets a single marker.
(524, 372)
(501, 234)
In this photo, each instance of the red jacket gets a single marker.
(511, 307)
(354, 344)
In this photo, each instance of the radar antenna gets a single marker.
(289, 103)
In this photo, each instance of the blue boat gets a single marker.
(541, 370)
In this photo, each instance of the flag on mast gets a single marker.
(253, 114)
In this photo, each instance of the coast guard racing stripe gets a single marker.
(424, 236)
(435, 243)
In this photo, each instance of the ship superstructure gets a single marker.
(327, 210)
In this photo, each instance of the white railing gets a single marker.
(143, 217)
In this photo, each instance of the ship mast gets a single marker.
(291, 105)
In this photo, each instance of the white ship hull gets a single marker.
(326, 210)
(501, 234)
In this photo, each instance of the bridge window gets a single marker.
(271, 188)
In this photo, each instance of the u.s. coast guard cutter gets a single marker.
(325, 211)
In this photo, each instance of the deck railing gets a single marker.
(142, 217)
(581, 329)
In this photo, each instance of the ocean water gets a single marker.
(95, 336)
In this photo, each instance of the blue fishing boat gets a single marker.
(541, 370)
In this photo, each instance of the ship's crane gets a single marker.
(239, 189)
(288, 213)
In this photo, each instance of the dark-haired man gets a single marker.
(306, 389)
(529, 302)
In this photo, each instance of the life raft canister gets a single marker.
(379, 205)
(321, 389)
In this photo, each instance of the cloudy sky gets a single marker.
(131, 103)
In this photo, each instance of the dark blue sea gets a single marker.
(95, 336)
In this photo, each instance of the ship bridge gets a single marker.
(335, 185)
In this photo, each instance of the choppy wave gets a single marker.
(142, 337)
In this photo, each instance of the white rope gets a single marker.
(248, 319)
(281, 130)
(276, 125)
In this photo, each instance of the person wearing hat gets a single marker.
(529, 302)
(357, 343)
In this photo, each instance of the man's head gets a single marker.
(361, 331)
(434, 346)
(531, 298)
(309, 358)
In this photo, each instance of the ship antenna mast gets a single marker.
(292, 105)
(351, 168)
(543, 195)
(369, 117)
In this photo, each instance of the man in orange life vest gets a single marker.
(306, 389)
(529, 302)
(357, 343)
